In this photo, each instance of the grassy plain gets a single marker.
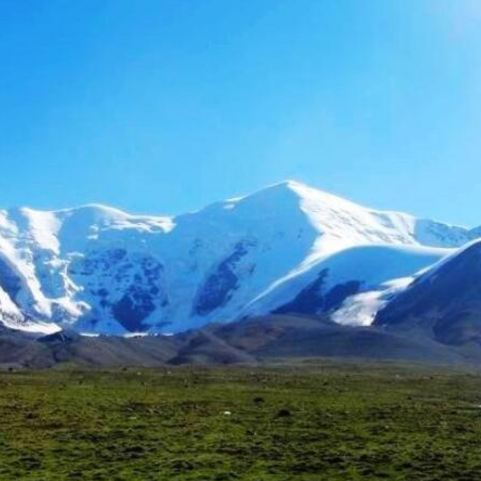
(311, 422)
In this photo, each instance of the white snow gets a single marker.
(361, 309)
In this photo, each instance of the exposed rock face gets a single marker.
(219, 285)
(313, 300)
(125, 287)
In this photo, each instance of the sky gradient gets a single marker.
(162, 106)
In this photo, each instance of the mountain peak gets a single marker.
(305, 192)
(296, 194)
(291, 185)
(286, 184)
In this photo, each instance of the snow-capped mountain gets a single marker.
(288, 247)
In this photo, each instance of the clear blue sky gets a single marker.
(161, 106)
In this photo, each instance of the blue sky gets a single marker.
(161, 106)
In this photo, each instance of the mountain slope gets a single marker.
(339, 282)
(259, 340)
(288, 337)
(96, 269)
(444, 303)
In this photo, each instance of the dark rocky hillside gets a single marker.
(263, 340)
(444, 304)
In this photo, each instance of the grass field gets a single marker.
(307, 423)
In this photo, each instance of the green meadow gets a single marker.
(308, 422)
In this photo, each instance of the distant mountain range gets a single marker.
(287, 250)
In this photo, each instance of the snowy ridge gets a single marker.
(100, 270)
